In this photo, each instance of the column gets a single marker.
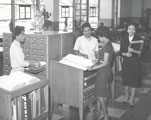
(52, 6)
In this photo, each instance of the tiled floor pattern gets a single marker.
(118, 113)
(115, 112)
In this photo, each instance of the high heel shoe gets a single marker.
(131, 103)
(126, 101)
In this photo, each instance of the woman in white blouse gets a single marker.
(17, 57)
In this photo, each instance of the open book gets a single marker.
(16, 80)
(76, 61)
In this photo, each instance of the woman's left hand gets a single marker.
(130, 50)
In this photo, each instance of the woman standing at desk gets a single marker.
(86, 45)
(17, 57)
(131, 70)
(103, 69)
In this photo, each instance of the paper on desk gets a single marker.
(16, 80)
(42, 63)
(76, 61)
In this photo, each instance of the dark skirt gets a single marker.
(102, 79)
(131, 72)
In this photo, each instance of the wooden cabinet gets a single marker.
(72, 86)
(7, 99)
(39, 47)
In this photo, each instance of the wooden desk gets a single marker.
(72, 86)
(6, 98)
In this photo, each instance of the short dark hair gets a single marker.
(18, 30)
(103, 32)
(85, 25)
(134, 24)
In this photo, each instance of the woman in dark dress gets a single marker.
(131, 70)
(103, 69)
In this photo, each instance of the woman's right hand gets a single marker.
(85, 56)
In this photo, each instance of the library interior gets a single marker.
(75, 59)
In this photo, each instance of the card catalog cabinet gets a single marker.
(39, 47)
(72, 86)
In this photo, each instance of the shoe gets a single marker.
(101, 117)
(126, 101)
(131, 104)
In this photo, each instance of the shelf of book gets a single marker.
(26, 103)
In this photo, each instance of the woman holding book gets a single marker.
(131, 46)
(104, 71)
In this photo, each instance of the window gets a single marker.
(92, 11)
(65, 11)
(24, 11)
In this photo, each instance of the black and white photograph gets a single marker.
(75, 59)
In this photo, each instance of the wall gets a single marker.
(133, 10)
(147, 4)
(126, 8)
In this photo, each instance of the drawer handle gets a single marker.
(90, 77)
(6, 53)
(89, 88)
(85, 84)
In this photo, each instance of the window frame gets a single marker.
(66, 11)
(93, 12)
(25, 12)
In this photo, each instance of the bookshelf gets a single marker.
(12, 105)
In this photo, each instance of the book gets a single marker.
(137, 42)
(76, 61)
(141, 42)
(14, 109)
(16, 80)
